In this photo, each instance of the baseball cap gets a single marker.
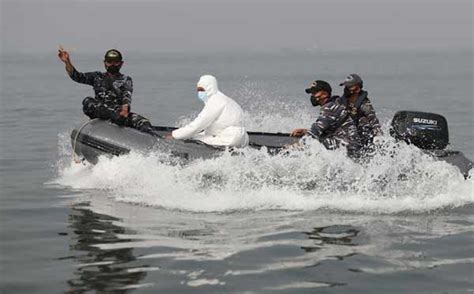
(113, 55)
(319, 85)
(351, 80)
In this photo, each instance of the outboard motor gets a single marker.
(422, 129)
(428, 131)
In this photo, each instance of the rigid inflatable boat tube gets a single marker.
(74, 155)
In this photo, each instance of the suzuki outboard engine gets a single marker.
(428, 131)
(422, 129)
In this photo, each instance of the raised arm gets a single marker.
(64, 57)
(83, 78)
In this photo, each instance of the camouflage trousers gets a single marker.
(353, 147)
(94, 108)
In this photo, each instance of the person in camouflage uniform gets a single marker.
(362, 112)
(334, 127)
(113, 91)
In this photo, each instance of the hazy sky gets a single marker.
(177, 25)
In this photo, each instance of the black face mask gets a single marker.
(113, 69)
(314, 101)
(318, 102)
(347, 92)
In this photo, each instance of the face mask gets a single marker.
(314, 101)
(317, 101)
(113, 69)
(202, 96)
(347, 92)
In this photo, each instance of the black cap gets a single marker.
(319, 85)
(113, 55)
(352, 80)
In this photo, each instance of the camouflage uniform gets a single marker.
(363, 114)
(334, 127)
(111, 92)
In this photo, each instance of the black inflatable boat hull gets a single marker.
(97, 137)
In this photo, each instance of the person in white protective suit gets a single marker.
(221, 121)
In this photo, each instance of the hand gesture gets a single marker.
(63, 54)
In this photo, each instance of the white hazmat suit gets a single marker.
(220, 122)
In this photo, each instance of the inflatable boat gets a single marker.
(427, 131)
(100, 137)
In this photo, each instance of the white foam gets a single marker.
(398, 178)
(205, 282)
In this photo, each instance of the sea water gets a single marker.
(310, 220)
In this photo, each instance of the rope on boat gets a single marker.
(74, 154)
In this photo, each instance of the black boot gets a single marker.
(89, 107)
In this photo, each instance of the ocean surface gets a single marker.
(312, 222)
